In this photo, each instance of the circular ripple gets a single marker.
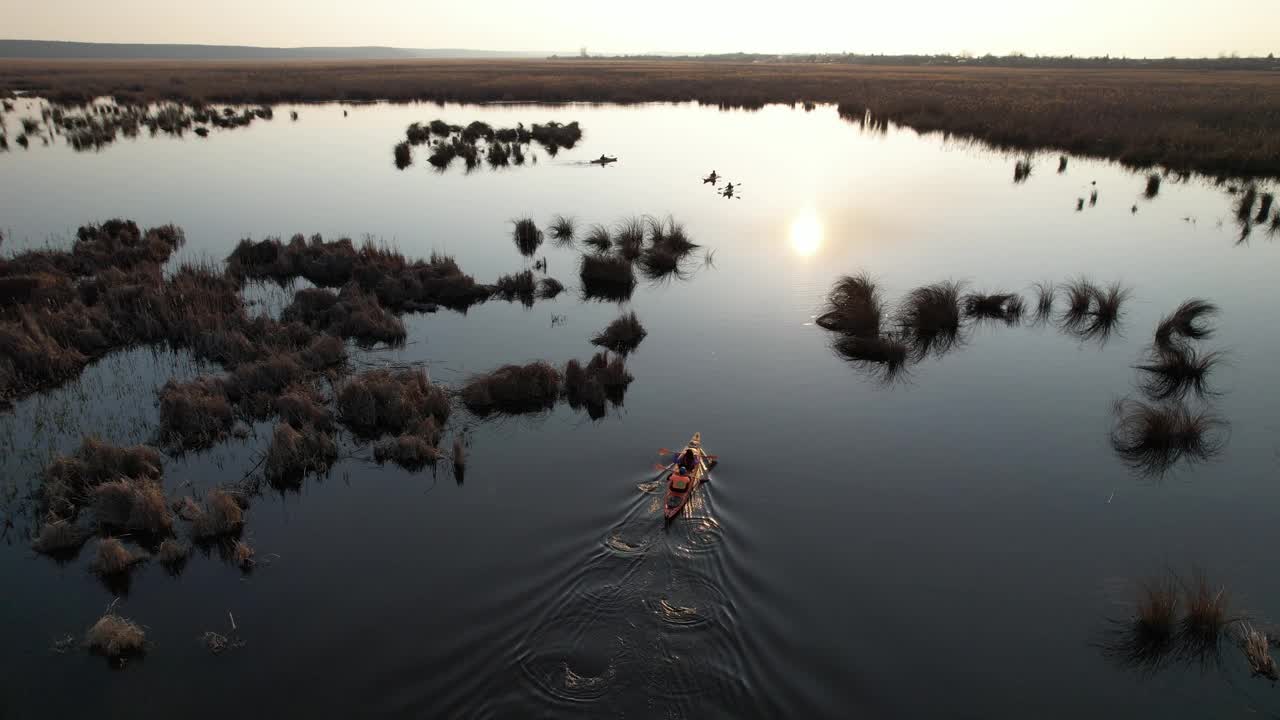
(619, 545)
(690, 599)
(631, 538)
(575, 652)
(698, 534)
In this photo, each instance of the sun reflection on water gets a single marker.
(806, 234)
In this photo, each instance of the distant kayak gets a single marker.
(604, 160)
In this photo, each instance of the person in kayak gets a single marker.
(712, 178)
(688, 460)
(679, 481)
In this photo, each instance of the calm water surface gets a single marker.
(950, 545)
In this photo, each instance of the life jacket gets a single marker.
(679, 482)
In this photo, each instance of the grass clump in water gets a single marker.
(930, 318)
(221, 516)
(520, 286)
(403, 155)
(622, 336)
(115, 637)
(527, 236)
(303, 406)
(195, 414)
(59, 538)
(69, 480)
(1153, 186)
(1093, 312)
(595, 385)
(241, 554)
(854, 307)
(413, 450)
(172, 555)
(296, 453)
(1172, 373)
(1022, 170)
(1265, 201)
(1205, 621)
(351, 313)
(669, 247)
(628, 238)
(598, 238)
(1257, 652)
(885, 356)
(1153, 438)
(1149, 639)
(606, 277)
(136, 506)
(549, 288)
(554, 136)
(1185, 323)
(513, 389)
(563, 229)
(114, 559)
(390, 402)
(1004, 307)
(1046, 293)
(499, 155)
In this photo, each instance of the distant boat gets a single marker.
(604, 160)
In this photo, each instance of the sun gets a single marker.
(806, 234)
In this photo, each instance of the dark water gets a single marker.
(950, 545)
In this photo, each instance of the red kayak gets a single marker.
(681, 483)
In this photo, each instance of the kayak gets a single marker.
(604, 160)
(680, 487)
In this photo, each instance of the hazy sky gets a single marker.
(1152, 28)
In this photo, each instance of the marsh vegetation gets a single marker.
(1187, 620)
(1137, 116)
(302, 433)
(502, 147)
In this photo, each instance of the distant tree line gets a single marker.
(1225, 62)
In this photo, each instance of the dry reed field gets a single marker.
(1221, 122)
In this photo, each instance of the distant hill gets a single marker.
(54, 49)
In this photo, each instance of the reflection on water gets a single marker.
(806, 234)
